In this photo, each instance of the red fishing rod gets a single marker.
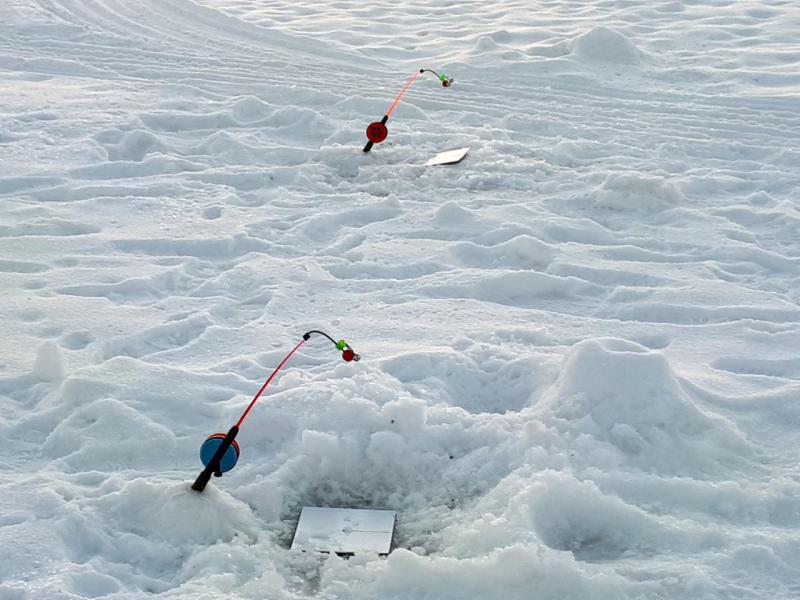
(377, 131)
(220, 452)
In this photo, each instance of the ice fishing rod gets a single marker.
(377, 131)
(220, 452)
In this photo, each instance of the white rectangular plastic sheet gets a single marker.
(344, 530)
(450, 157)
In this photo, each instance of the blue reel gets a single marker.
(209, 448)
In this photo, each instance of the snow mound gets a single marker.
(135, 146)
(576, 516)
(107, 434)
(49, 363)
(176, 514)
(452, 213)
(510, 573)
(603, 44)
(470, 380)
(635, 192)
(302, 121)
(228, 148)
(521, 252)
(627, 397)
(249, 109)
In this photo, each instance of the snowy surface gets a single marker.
(581, 345)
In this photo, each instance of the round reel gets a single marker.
(377, 132)
(209, 448)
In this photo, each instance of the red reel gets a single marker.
(377, 132)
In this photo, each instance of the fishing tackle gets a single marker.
(377, 130)
(219, 453)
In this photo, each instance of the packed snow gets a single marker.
(580, 371)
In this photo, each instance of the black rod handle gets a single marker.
(202, 480)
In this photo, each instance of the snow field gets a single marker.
(580, 364)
